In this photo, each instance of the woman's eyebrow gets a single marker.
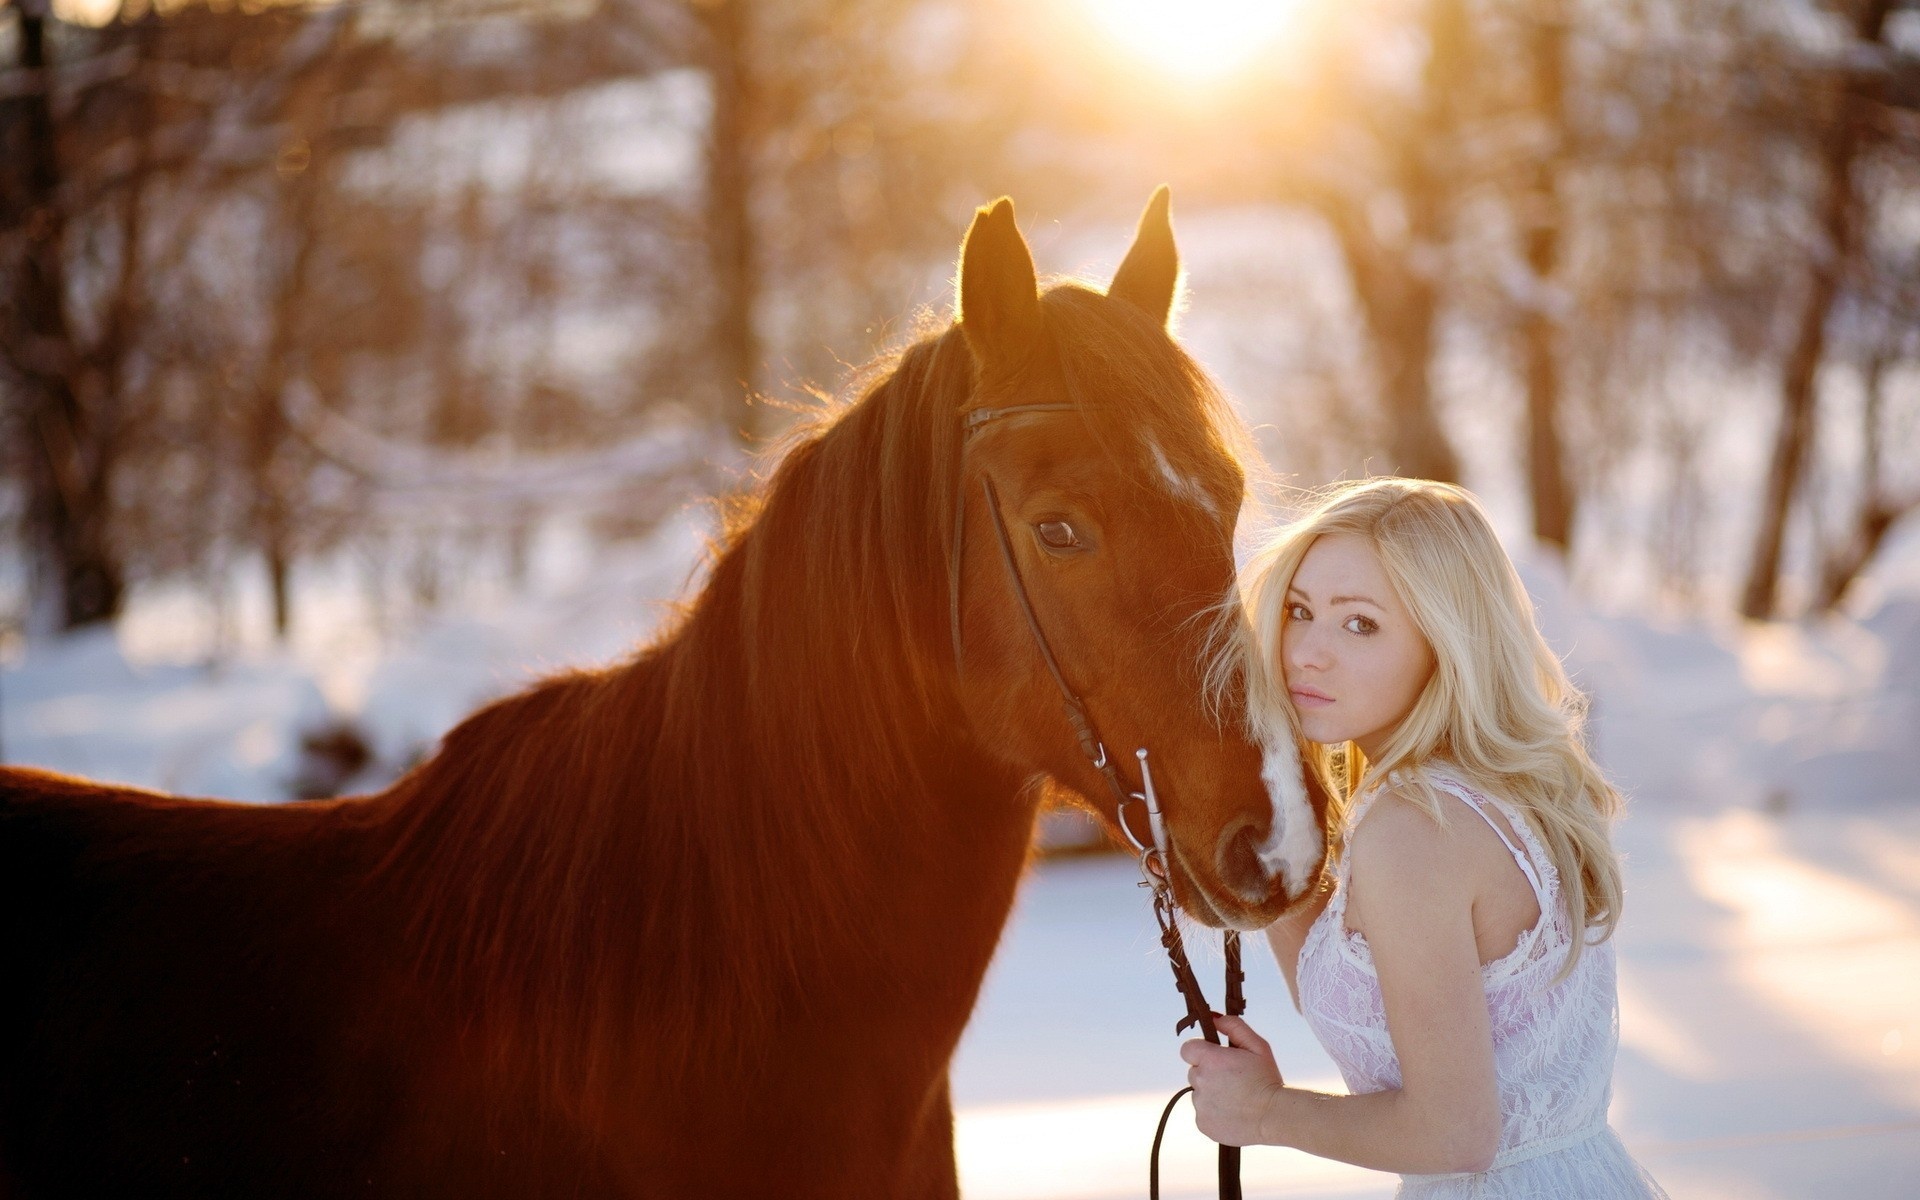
(1341, 599)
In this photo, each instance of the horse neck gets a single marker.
(754, 876)
(774, 807)
(808, 703)
(806, 729)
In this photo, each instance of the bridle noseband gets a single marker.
(1155, 866)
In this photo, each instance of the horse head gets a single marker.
(1094, 606)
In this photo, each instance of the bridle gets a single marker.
(1155, 869)
(1077, 715)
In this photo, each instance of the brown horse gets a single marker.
(709, 923)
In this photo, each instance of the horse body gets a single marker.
(180, 992)
(220, 995)
(710, 922)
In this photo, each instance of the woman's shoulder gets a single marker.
(1420, 857)
(1405, 872)
(1410, 826)
(1399, 828)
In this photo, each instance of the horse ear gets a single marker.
(999, 293)
(1147, 275)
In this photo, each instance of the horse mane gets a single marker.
(655, 858)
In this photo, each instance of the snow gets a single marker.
(140, 705)
(1770, 1023)
(79, 706)
(1770, 954)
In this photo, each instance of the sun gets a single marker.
(1196, 39)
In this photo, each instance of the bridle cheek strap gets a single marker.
(1078, 718)
(973, 423)
(1076, 708)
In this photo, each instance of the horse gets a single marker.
(709, 922)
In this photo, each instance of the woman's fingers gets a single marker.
(1243, 1040)
(1241, 1035)
(1194, 1051)
(1232, 1085)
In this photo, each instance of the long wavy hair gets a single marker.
(1499, 708)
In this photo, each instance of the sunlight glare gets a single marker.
(1198, 39)
(90, 13)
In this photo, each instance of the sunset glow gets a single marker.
(1197, 39)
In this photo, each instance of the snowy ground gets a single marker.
(1770, 961)
(1770, 997)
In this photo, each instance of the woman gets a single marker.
(1456, 964)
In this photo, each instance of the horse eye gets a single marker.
(1058, 534)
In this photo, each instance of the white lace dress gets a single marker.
(1553, 1044)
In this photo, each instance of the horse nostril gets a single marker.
(1238, 862)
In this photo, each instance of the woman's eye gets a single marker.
(1298, 612)
(1058, 534)
(1357, 624)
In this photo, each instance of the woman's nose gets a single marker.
(1304, 651)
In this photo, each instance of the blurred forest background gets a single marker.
(359, 359)
(391, 283)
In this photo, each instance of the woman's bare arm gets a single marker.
(1413, 899)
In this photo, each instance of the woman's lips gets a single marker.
(1308, 698)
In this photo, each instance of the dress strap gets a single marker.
(1473, 800)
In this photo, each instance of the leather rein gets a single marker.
(1155, 869)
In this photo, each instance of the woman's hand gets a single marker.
(1234, 1084)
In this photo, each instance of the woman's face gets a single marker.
(1353, 660)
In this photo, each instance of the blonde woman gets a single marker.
(1457, 965)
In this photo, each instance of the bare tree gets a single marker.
(62, 412)
(1541, 215)
(1880, 502)
(733, 139)
(1393, 227)
(1845, 103)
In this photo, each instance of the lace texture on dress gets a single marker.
(1553, 1043)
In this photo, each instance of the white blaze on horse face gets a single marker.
(1293, 847)
(1183, 487)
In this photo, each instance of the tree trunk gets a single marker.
(279, 572)
(69, 454)
(1875, 520)
(1417, 445)
(1400, 304)
(1840, 221)
(272, 470)
(1396, 282)
(730, 234)
(1793, 440)
(1877, 512)
(1549, 487)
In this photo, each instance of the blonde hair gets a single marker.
(1498, 708)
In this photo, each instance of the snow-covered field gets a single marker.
(1770, 955)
